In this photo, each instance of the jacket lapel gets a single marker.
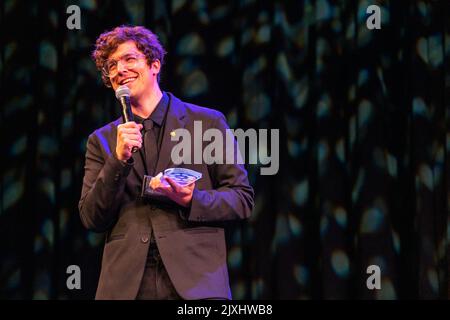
(138, 166)
(176, 119)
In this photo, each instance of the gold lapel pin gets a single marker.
(172, 133)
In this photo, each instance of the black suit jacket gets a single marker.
(192, 249)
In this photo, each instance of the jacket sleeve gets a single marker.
(103, 184)
(232, 196)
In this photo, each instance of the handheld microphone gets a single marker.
(123, 95)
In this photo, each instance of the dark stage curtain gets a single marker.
(364, 139)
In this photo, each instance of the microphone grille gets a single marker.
(122, 91)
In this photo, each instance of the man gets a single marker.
(156, 249)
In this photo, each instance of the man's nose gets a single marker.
(120, 67)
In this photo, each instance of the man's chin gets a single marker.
(134, 91)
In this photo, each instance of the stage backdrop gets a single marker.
(364, 139)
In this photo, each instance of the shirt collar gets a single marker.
(157, 116)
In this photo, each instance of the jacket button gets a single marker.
(144, 239)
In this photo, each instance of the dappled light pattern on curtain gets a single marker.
(363, 118)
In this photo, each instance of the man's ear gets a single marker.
(156, 66)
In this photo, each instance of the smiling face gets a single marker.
(141, 77)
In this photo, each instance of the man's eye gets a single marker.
(130, 59)
(112, 66)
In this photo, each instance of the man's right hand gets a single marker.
(128, 136)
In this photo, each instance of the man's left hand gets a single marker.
(178, 193)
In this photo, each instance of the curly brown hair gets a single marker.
(146, 41)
